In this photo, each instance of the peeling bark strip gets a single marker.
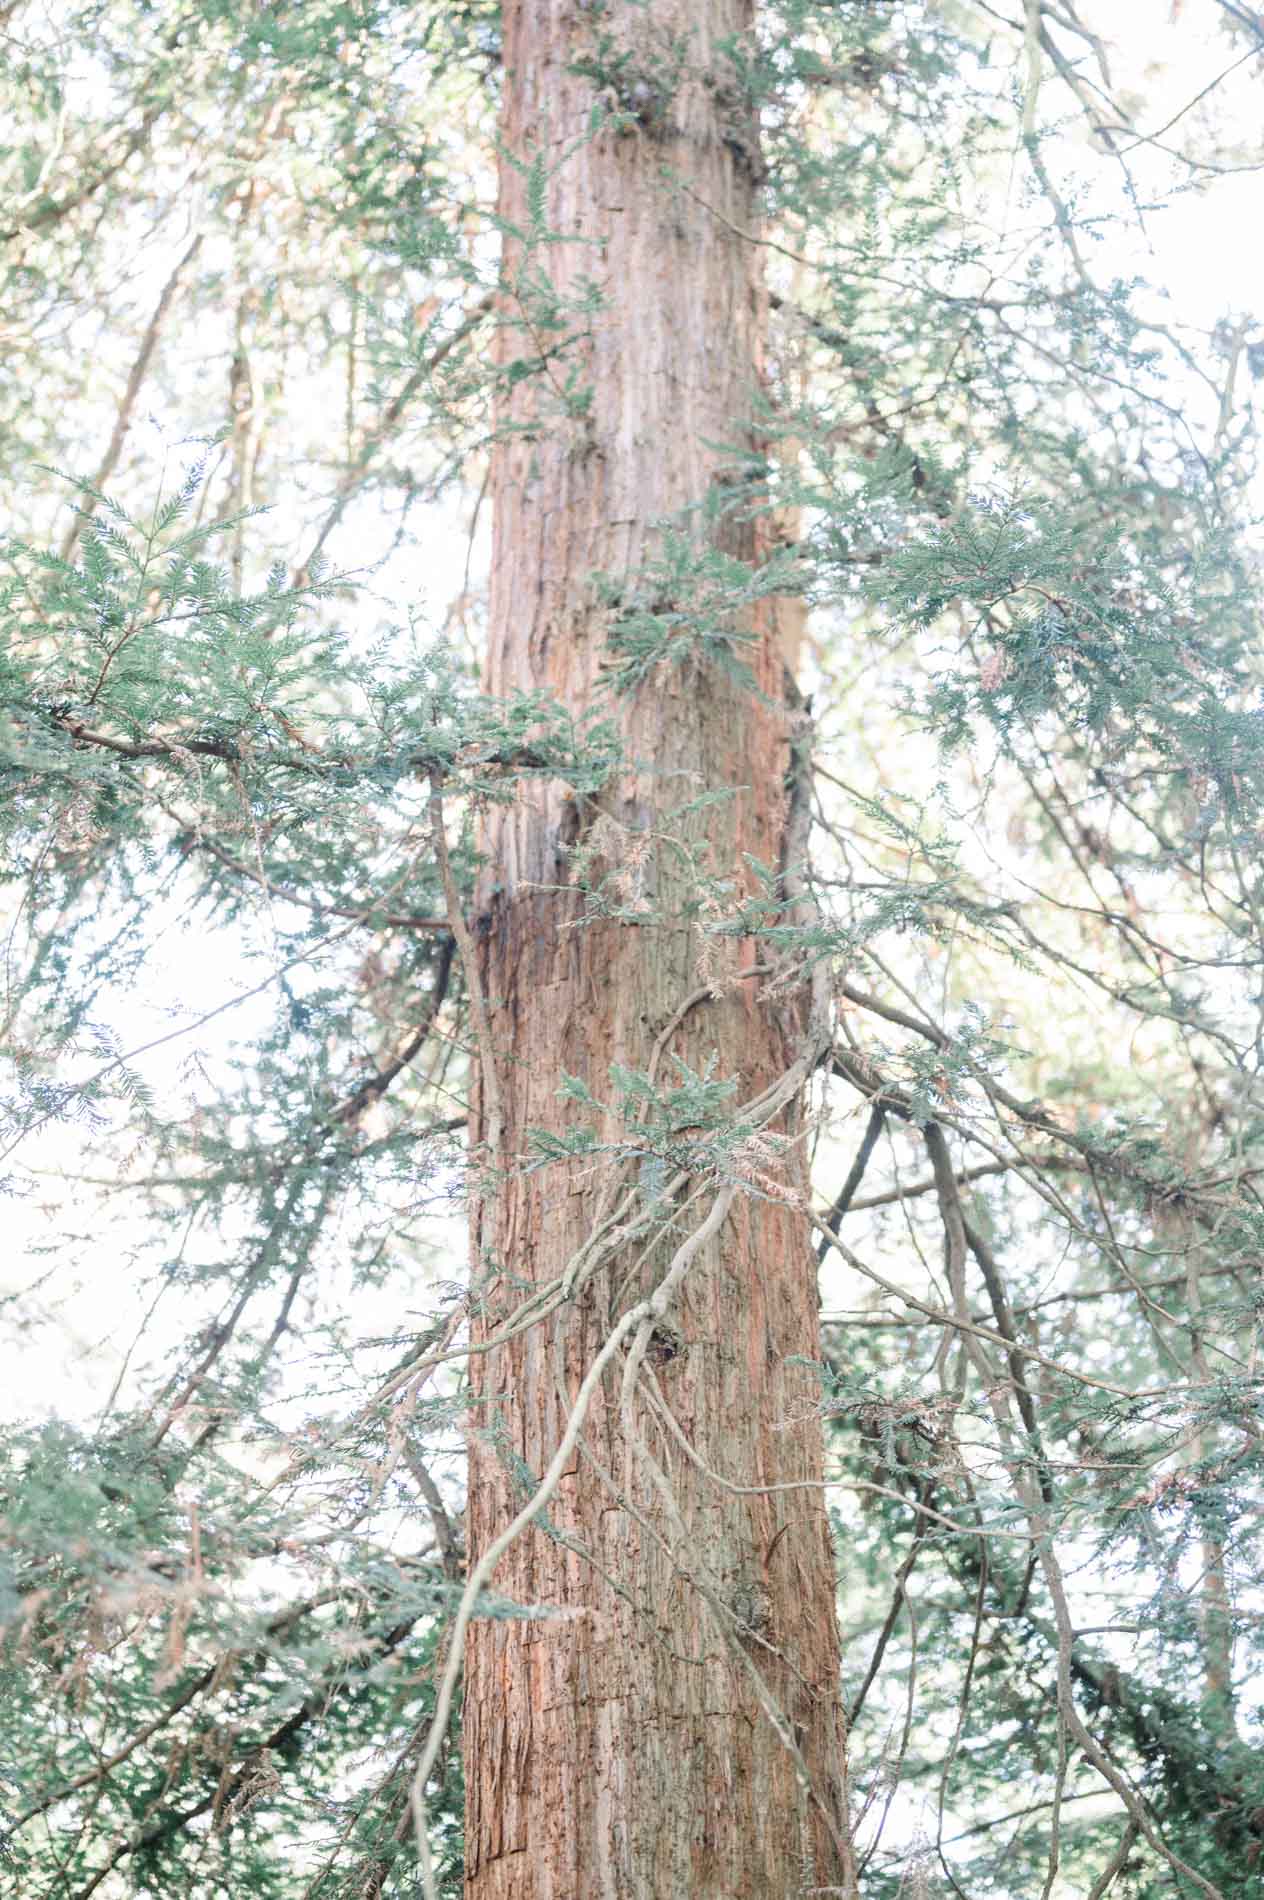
(673, 1727)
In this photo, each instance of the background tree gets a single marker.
(256, 964)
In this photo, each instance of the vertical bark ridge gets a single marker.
(616, 1747)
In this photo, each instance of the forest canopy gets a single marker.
(632, 736)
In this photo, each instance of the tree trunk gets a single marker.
(668, 1723)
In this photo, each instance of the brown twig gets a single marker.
(123, 421)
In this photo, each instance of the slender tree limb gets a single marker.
(1117, 1862)
(855, 1175)
(123, 421)
(385, 423)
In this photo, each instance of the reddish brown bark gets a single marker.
(618, 1747)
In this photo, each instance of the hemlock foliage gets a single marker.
(250, 266)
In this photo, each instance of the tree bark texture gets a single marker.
(618, 1742)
